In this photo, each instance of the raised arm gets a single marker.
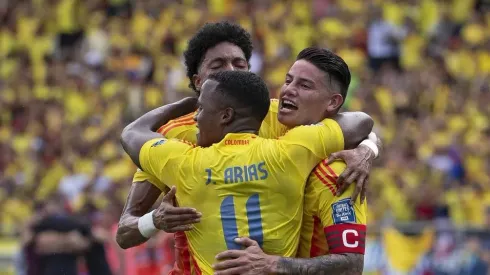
(355, 126)
(142, 129)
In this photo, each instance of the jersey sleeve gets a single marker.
(271, 127)
(183, 128)
(162, 159)
(141, 176)
(344, 225)
(319, 140)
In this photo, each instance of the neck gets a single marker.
(243, 125)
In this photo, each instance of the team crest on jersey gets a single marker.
(160, 142)
(343, 212)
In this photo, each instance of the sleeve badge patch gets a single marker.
(343, 212)
(160, 142)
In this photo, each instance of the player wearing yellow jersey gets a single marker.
(333, 233)
(327, 216)
(241, 173)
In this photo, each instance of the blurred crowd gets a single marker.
(73, 73)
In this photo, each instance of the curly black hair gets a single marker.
(211, 35)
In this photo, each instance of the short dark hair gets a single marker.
(244, 90)
(211, 35)
(333, 65)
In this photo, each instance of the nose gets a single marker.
(229, 67)
(289, 90)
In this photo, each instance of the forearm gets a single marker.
(54, 242)
(339, 264)
(155, 118)
(128, 234)
(355, 126)
(142, 196)
(136, 134)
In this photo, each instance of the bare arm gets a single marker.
(141, 198)
(355, 126)
(50, 242)
(136, 134)
(252, 260)
(340, 264)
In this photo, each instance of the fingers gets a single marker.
(173, 223)
(182, 218)
(172, 210)
(332, 158)
(232, 271)
(226, 264)
(358, 189)
(364, 188)
(170, 195)
(172, 219)
(229, 254)
(246, 241)
(341, 180)
(180, 228)
(352, 177)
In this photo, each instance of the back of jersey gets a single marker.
(243, 187)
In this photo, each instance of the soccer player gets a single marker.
(216, 47)
(240, 181)
(333, 231)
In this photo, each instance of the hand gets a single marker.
(188, 103)
(251, 261)
(358, 162)
(172, 219)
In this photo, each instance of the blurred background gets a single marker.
(73, 73)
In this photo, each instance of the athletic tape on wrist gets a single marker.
(371, 146)
(146, 226)
(372, 137)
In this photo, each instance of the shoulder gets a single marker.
(183, 121)
(324, 177)
(169, 144)
(274, 107)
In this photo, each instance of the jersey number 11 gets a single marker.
(228, 221)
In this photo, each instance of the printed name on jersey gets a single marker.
(160, 142)
(346, 238)
(343, 212)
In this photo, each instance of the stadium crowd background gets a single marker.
(74, 73)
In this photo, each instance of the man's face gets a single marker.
(225, 56)
(305, 97)
(209, 115)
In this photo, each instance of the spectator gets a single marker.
(383, 42)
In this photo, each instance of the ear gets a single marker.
(197, 81)
(227, 116)
(334, 103)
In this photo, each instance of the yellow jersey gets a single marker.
(330, 224)
(185, 128)
(244, 185)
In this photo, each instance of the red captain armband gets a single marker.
(346, 238)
